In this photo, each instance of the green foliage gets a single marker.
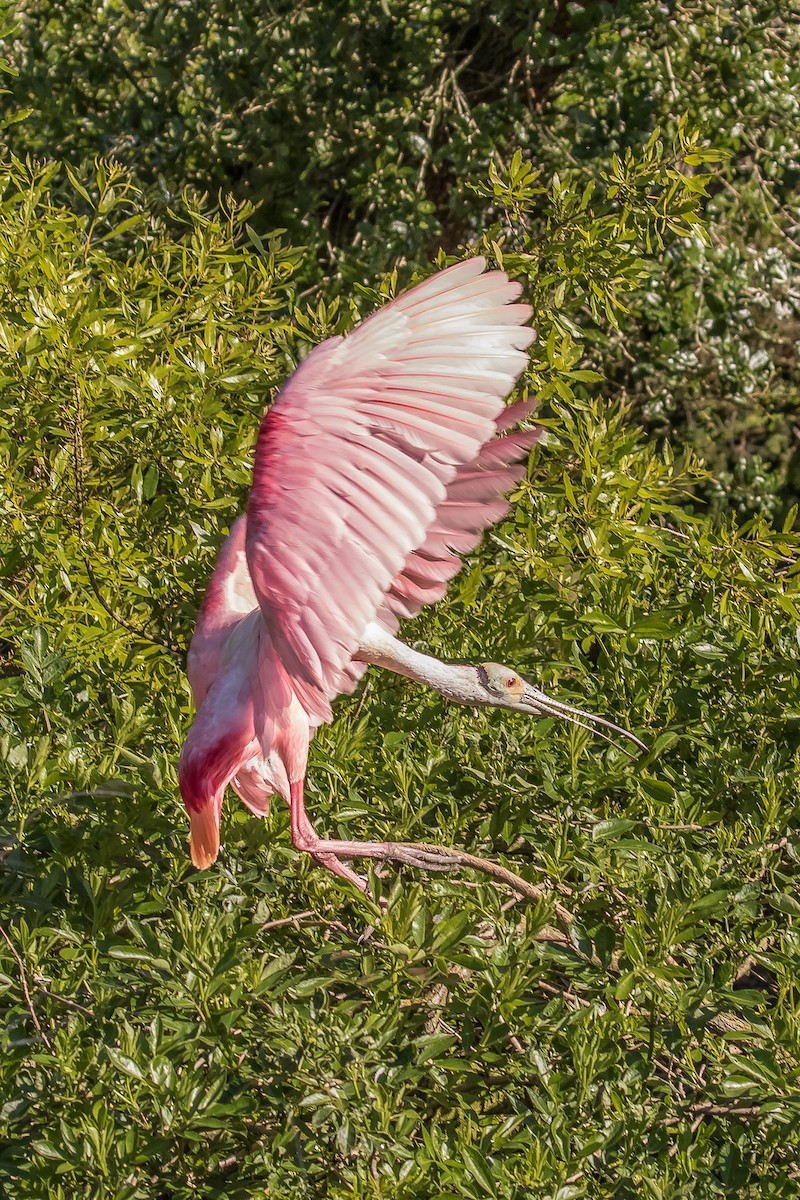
(363, 129)
(135, 370)
(257, 1029)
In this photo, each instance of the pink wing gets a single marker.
(355, 462)
(229, 597)
(458, 526)
(474, 500)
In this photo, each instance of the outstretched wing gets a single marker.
(356, 458)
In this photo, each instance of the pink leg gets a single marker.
(305, 838)
(416, 854)
(328, 852)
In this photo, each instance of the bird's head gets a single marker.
(504, 688)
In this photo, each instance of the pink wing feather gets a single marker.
(474, 500)
(376, 461)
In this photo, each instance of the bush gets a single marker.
(246, 1030)
(362, 131)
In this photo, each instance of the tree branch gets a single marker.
(24, 981)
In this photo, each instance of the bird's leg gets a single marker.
(329, 852)
(421, 855)
(304, 837)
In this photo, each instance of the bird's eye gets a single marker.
(511, 682)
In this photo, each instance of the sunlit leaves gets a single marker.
(368, 133)
(261, 1027)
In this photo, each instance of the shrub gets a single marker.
(246, 1030)
(362, 130)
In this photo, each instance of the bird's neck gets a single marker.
(455, 681)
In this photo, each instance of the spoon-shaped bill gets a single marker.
(533, 700)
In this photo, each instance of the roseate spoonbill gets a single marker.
(382, 460)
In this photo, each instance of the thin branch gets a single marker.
(564, 993)
(751, 960)
(706, 1108)
(295, 919)
(774, 847)
(673, 89)
(17, 600)
(155, 638)
(67, 1000)
(658, 826)
(24, 981)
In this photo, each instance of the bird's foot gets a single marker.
(413, 854)
(334, 864)
(329, 852)
(421, 855)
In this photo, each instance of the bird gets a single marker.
(380, 463)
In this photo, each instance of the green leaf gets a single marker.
(76, 183)
(448, 933)
(655, 626)
(123, 1063)
(603, 830)
(601, 623)
(150, 481)
(479, 1169)
(784, 903)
